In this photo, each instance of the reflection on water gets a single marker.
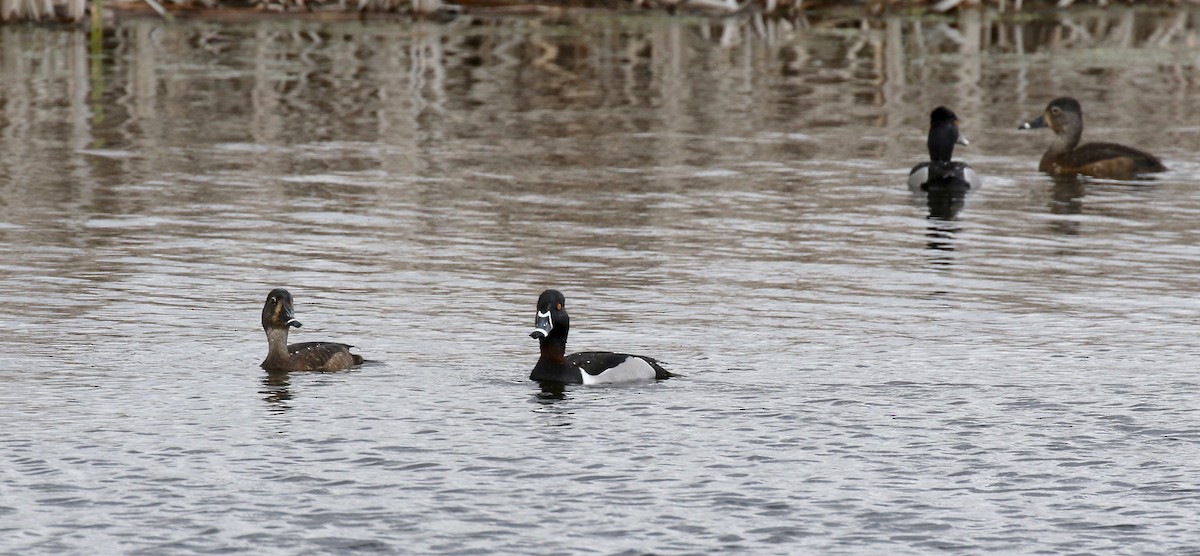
(1068, 195)
(549, 393)
(276, 392)
(940, 239)
(864, 370)
(945, 204)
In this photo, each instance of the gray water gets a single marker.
(726, 195)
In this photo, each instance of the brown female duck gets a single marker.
(277, 318)
(1102, 160)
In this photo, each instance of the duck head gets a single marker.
(277, 311)
(551, 320)
(944, 134)
(1061, 115)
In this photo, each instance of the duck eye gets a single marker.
(273, 300)
(558, 307)
(1054, 110)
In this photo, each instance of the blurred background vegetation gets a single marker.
(76, 11)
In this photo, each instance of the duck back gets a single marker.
(315, 356)
(1102, 160)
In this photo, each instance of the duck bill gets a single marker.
(289, 318)
(1035, 123)
(962, 140)
(542, 325)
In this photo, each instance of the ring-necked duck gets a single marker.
(277, 317)
(940, 172)
(1101, 160)
(550, 328)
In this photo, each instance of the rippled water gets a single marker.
(858, 376)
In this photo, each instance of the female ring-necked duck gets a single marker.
(277, 317)
(1101, 160)
(550, 328)
(940, 173)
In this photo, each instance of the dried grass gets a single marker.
(78, 10)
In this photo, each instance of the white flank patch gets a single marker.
(972, 178)
(631, 369)
(916, 179)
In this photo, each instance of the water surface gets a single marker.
(1014, 375)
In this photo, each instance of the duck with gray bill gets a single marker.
(550, 327)
(1066, 156)
(941, 174)
(277, 318)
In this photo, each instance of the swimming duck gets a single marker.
(277, 318)
(550, 328)
(940, 172)
(1102, 160)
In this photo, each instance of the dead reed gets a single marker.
(77, 11)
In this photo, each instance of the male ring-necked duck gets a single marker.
(940, 173)
(277, 317)
(1102, 160)
(550, 328)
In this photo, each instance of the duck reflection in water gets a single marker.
(551, 392)
(940, 241)
(277, 392)
(944, 203)
(1067, 198)
(1068, 194)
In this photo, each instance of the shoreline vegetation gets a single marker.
(98, 11)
